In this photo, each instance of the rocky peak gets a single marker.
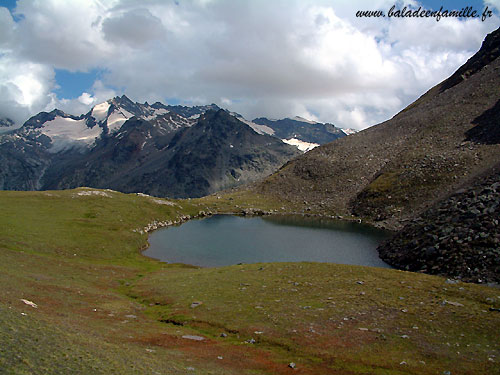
(489, 51)
(122, 100)
(41, 118)
(187, 112)
(125, 103)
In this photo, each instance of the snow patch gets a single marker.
(259, 129)
(161, 111)
(155, 113)
(301, 145)
(117, 119)
(302, 119)
(349, 131)
(100, 111)
(65, 132)
(180, 124)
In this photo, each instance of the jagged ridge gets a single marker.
(133, 147)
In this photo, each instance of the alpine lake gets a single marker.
(224, 240)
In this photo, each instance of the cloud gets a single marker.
(86, 99)
(98, 94)
(135, 28)
(62, 34)
(7, 27)
(278, 58)
(493, 3)
(25, 87)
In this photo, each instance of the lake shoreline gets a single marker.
(333, 241)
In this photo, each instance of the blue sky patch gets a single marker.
(73, 84)
(9, 4)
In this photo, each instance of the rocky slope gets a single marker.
(431, 172)
(459, 237)
(394, 171)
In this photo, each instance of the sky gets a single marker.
(272, 58)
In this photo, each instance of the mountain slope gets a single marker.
(217, 152)
(395, 170)
(156, 149)
(47, 142)
(220, 152)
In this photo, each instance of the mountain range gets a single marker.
(176, 151)
(298, 131)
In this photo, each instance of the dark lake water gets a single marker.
(224, 240)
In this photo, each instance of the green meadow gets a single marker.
(78, 297)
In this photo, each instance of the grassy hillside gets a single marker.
(101, 307)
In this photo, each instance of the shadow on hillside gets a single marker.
(487, 129)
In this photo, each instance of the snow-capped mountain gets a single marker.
(67, 131)
(134, 147)
(298, 131)
(113, 113)
(259, 129)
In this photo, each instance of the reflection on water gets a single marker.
(225, 240)
(323, 223)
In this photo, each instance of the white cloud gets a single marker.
(98, 94)
(86, 99)
(7, 26)
(63, 34)
(493, 3)
(25, 87)
(136, 28)
(226, 101)
(311, 58)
